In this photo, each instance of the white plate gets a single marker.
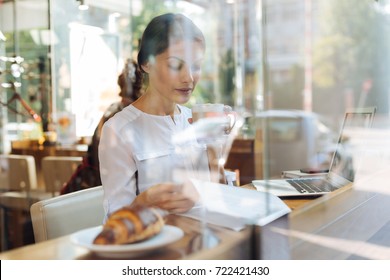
(84, 238)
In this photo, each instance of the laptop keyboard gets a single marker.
(312, 185)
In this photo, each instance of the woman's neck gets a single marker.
(153, 105)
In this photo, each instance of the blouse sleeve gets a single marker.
(117, 170)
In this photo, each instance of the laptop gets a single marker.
(341, 171)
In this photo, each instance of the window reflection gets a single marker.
(316, 57)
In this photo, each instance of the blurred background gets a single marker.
(299, 63)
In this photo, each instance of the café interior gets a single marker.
(291, 70)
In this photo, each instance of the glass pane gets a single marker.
(87, 58)
(25, 83)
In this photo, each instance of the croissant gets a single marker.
(131, 224)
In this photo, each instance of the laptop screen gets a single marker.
(354, 121)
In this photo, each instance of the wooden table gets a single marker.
(349, 223)
(346, 224)
(231, 244)
(34, 148)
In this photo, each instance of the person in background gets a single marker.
(87, 174)
(136, 151)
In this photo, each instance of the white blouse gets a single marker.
(135, 142)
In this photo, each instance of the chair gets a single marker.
(18, 172)
(57, 170)
(20, 191)
(68, 213)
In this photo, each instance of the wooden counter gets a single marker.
(228, 245)
(346, 224)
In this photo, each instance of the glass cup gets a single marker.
(217, 121)
(200, 154)
(214, 110)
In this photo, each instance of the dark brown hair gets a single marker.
(164, 29)
(130, 80)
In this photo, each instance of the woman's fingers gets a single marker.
(176, 198)
(162, 192)
(178, 206)
(176, 201)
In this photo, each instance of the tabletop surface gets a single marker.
(345, 224)
(223, 243)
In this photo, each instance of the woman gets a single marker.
(87, 174)
(136, 151)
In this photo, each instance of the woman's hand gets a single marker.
(175, 198)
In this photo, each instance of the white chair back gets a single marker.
(18, 173)
(19, 191)
(57, 170)
(68, 213)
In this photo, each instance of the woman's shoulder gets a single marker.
(124, 117)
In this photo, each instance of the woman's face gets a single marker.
(174, 73)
